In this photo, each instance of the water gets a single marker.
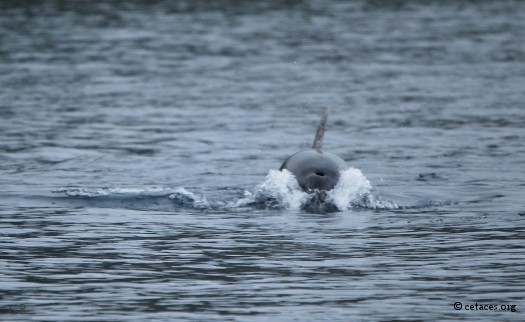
(138, 139)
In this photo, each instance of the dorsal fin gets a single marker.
(318, 141)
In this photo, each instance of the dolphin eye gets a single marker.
(319, 173)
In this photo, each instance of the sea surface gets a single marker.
(140, 143)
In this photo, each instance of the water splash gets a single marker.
(352, 187)
(280, 190)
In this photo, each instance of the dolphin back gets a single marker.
(318, 141)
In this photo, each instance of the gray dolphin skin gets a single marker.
(314, 169)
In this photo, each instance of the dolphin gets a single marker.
(315, 170)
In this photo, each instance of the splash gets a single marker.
(280, 191)
(352, 187)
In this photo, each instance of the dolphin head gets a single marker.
(315, 170)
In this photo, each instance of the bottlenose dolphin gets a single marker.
(315, 170)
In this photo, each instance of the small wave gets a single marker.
(149, 197)
(117, 192)
(369, 201)
(183, 197)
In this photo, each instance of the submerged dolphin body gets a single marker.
(315, 170)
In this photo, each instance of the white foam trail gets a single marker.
(279, 190)
(179, 195)
(126, 192)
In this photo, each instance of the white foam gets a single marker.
(372, 202)
(351, 188)
(117, 192)
(281, 187)
(196, 200)
(243, 202)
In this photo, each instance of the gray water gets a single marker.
(135, 136)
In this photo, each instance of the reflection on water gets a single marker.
(135, 135)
